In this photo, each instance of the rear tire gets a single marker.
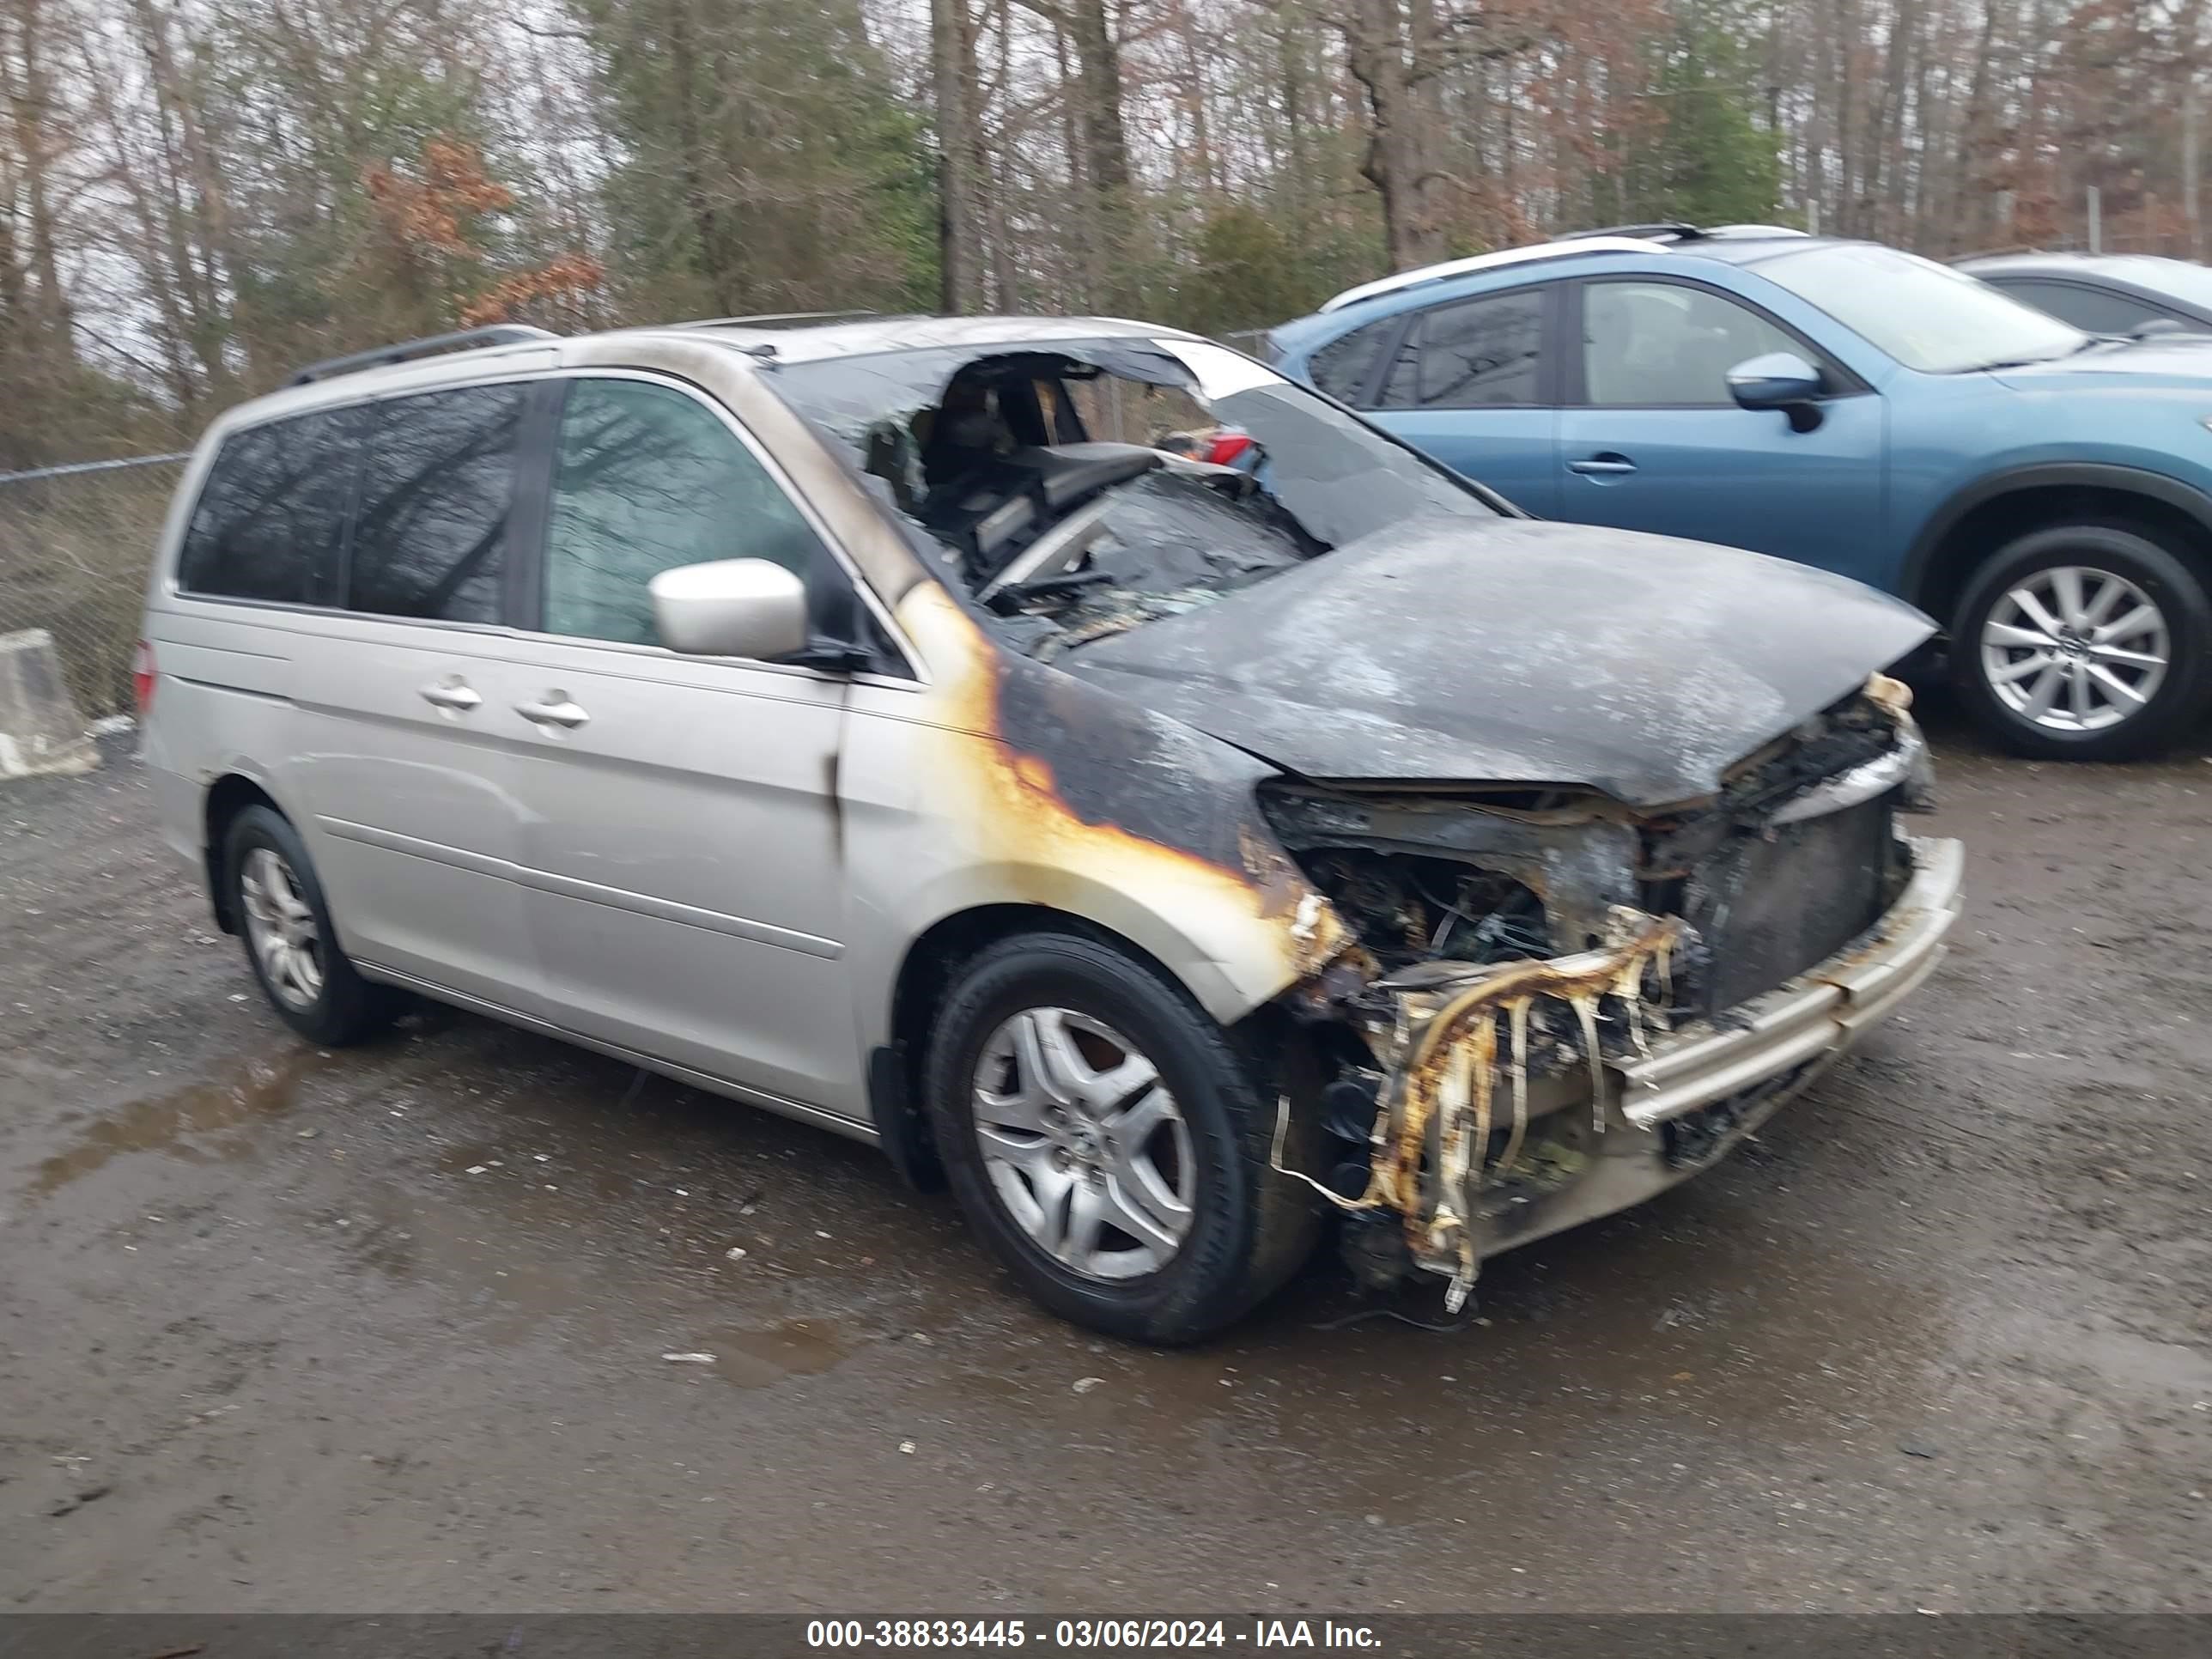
(1031, 1144)
(284, 923)
(2084, 641)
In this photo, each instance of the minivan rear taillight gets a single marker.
(141, 677)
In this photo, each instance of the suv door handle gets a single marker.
(1604, 464)
(554, 710)
(451, 693)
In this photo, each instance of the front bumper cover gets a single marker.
(1816, 1015)
(1678, 1100)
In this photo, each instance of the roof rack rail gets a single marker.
(1751, 233)
(2007, 250)
(1653, 233)
(1561, 247)
(407, 350)
(776, 318)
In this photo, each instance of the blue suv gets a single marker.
(2045, 492)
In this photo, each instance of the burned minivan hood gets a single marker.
(1514, 650)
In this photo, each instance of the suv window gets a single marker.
(437, 494)
(266, 524)
(647, 478)
(2093, 309)
(1343, 368)
(1473, 354)
(1667, 343)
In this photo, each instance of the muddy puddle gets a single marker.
(761, 1358)
(174, 1122)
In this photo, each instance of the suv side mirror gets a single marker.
(1779, 380)
(731, 608)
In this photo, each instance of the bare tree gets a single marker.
(194, 197)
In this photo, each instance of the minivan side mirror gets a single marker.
(1779, 380)
(731, 608)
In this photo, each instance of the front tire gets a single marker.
(1108, 1140)
(2087, 641)
(290, 945)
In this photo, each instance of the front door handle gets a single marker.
(451, 693)
(1606, 464)
(554, 710)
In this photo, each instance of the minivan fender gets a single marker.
(228, 791)
(1044, 790)
(972, 910)
(1230, 967)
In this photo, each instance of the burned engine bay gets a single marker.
(1514, 943)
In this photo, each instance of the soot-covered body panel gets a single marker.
(1038, 789)
(1514, 650)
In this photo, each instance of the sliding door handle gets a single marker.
(554, 710)
(451, 694)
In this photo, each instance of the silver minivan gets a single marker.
(1122, 783)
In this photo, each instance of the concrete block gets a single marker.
(40, 730)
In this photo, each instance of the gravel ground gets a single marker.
(288, 1330)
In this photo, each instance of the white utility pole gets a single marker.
(2191, 208)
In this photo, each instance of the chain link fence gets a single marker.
(76, 544)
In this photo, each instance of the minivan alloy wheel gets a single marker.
(2073, 648)
(1083, 1143)
(280, 925)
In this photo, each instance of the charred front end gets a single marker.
(1609, 864)
(1559, 1004)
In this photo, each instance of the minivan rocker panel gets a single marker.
(1464, 876)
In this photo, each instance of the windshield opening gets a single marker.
(1927, 316)
(1078, 489)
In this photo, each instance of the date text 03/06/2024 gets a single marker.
(1089, 1634)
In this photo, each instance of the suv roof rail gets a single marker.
(1562, 247)
(1676, 232)
(776, 319)
(465, 339)
(1662, 232)
(2006, 251)
(1751, 232)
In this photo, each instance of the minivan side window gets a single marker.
(1666, 345)
(437, 495)
(267, 521)
(647, 478)
(1473, 353)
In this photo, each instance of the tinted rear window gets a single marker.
(437, 495)
(1343, 368)
(266, 525)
